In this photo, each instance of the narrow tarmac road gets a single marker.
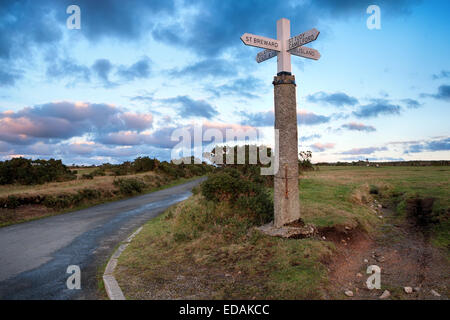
(34, 256)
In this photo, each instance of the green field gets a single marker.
(203, 250)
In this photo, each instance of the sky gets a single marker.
(136, 72)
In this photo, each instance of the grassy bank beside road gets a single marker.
(201, 249)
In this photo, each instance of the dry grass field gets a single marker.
(43, 200)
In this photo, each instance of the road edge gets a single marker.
(111, 285)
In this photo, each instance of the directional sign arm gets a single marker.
(303, 38)
(261, 42)
(265, 55)
(305, 52)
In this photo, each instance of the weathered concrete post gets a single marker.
(286, 196)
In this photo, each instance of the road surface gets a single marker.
(34, 256)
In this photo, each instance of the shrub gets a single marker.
(421, 210)
(88, 176)
(98, 172)
(130, 186)
(12, 202)
(230, 185)
(374, 190)
(27, 171)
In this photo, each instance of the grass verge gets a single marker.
(35, 212)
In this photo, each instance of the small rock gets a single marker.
(227, 275)
(349, 293)
(359, 275)
(324, 238)
(386, 294)
(435, 293)
(381, 217)
(348, 228)
(417, 289)
(408, 289)
(366, 261)
(380, 206)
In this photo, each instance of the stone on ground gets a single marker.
(408, 289)
(386, 294)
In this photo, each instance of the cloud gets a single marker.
(207, 67)
(166, 137)
(320, 147)
(376, 108)
(203, 32)
(9, 77)
(443, 93)
(310, 118)
(337, 99)
(189, 108)
(411, 103)
(258, 119)
(195, 25)
(372, 159)
(27, 24)
(267, 118)
(444, 74)
(248, 87)
(68, 68)
(57, 121)
(370, 150)
(358, 127)
(433, 145)
(103, 68)
(310, 137)
(139, 70)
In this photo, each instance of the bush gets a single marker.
(421, 210)
(230, 185)
(88, 176)
(130, 186)
(27, 171)
(374, 190)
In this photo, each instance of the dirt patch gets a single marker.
(403, 253)
(24, 213)
(420, 210)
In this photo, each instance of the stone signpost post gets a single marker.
(286, 196)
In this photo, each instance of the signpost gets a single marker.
(286, 196)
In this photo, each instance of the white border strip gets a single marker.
(111, 286)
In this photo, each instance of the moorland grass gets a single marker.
(200, 249)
